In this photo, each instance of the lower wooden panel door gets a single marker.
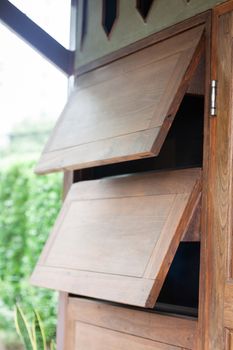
(89, 337)
(94, 325)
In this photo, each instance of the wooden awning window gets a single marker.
(123, 111)
(115, 238)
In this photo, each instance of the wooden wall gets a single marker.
(129, 26)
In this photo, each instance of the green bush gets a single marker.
(29, 205)
(32, 334)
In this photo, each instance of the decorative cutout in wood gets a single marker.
(84, 21)
(143, 7)
(123, 111)
(110, 8)
(115, 238)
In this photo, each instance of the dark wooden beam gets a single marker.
(37, 37)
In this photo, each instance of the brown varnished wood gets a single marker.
(123, 111)
(193, 233)
(63, 296)
(178, 96)
(229, 339)
(203, 307)
(197, 83)
(216, 316)
(92, 337)
(96, 249)
(228, 305)
(220, 11)
(223, 8)
(160, 331)
(170, 244)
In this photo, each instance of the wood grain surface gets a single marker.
(115, 238)
(92, 324)
(216, 293)
(123, 111)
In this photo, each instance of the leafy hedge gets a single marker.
(29, 205)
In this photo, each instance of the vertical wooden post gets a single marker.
(63, 297)
(216, 306)
(62, 319)
(68, 180)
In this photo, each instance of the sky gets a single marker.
(30, 86)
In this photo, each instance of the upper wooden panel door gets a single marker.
(115, 238)
(124, 110)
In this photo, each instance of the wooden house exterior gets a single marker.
(141, 251)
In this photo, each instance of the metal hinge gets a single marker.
(213, 98)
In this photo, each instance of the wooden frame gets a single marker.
(216, 287)
(67, 182)
(216, 317)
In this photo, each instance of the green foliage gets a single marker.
(29, 205)
(23, 328)
(32, 337)
(52, 345)
(27, 137)
(38, 332)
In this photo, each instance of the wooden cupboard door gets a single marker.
(216, 304)
(96, 325)
(123, 111)
(115, 238)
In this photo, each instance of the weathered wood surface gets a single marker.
(63, 296)
(193, 232)
(115, 238)
(216, 316)
(124, 110)
(97, 325)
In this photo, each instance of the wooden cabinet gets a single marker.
(120, 229)
(150, 167)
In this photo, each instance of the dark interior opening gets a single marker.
(180, 290)
(179, 294)
(143, 7)
(109, 15)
